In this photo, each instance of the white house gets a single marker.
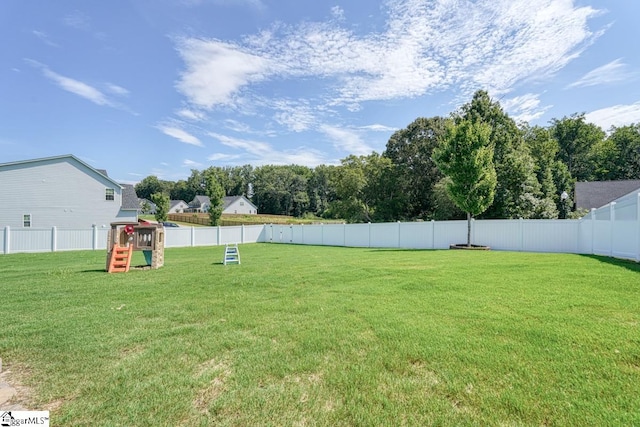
(64, 192)
(178, 206)
(230, 205)
(239, 205)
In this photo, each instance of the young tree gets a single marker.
(213, 189)
(465, 155)
(162, 206)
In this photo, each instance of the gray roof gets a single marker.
(172, 203)
(129, 198)
(70, 157)
(596, 194)
(228, 200)
(198, 201)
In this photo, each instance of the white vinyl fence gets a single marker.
(13, 240)
(613, 230)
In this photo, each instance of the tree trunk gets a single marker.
(468, 229)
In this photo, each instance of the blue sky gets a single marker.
(159, 87)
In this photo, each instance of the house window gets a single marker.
(26, 220)
(241, 203)
(110, 194)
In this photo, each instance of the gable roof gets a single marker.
(130, 199)
(229, 200)
(198, 201)
(69, 157)
(173, 203)
(595, 194)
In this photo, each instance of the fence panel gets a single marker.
(624, 239)
(69, 240)
(416, 235)
(31, 240)
(255, 233)
(498, 234)
(357, 235)
(550, 236)
(449, 232)
(334, 234)
(231, 235)
(177, 237)
(386, 235)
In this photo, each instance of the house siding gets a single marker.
(241, 205)
(60, 192)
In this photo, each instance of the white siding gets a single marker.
(241, 206)
(60, 192)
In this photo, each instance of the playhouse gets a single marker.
(125, 237)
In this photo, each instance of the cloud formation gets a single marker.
(617, 115)
(614, 71)
(426, 47)
(180, 134)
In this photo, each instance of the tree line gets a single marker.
(534, 166)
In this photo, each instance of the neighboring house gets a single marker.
(178, 206)
(147, 207)
(239, 205)
(62, 191)
(595, 194)
(200, 204)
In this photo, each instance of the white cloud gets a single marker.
(262, 153)
(612, 72)
(216, 71)
(617, 115)
(297, 116)
(346, 140)
(117, 90)
(426, 47)
(78, 20)
(525, 108)
(180, 134)
(77, 87)
(44, 37)
(379, 128)
(190, 114)
(191, 164)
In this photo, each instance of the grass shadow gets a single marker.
(624, 263)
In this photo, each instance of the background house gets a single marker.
(231, 205)
(200, 204)
(239, 205)
(64, 192)
(178, 206)
(595, 194)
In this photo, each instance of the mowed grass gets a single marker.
(326, 336)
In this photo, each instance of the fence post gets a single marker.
(291, 234)
(7, 239)
(242, 234)
(521, 221)
(612, 220)
(473, 229)
(369, 234)
(302, 233)
(433, 234)
(193, 236)
(399, 233)
(638, 224)
(218, 238)
(94, 243)
(54, 238)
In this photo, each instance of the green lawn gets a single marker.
(326, 336)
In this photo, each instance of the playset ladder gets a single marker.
(120, 259)
(231, 254)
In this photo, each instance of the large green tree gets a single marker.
(411, 151)
(465, 156)
(517, 193)
(576, 140)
